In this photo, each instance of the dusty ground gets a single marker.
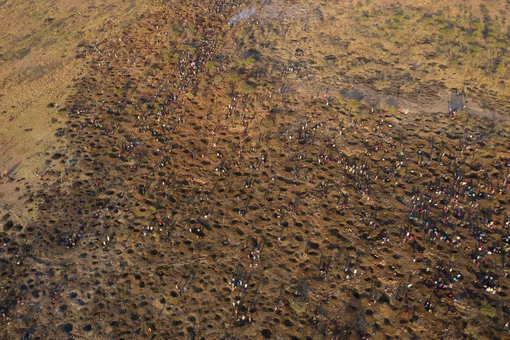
(38, 67)
(270, 169)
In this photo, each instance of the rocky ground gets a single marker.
(264, 169)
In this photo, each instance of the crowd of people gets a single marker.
(325, 206)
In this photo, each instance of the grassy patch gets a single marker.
(299, 307)
(488, 310)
